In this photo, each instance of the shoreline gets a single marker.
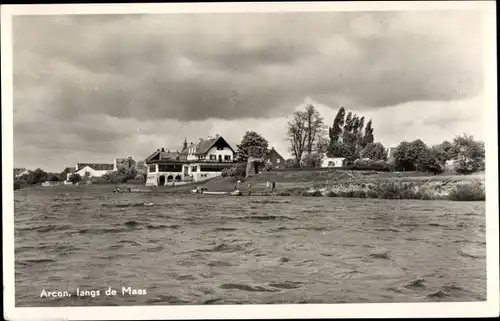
(438, 187)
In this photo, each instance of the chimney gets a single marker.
(217, 135)
(162, 149)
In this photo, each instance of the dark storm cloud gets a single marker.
(231, 66)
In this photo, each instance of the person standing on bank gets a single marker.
(274, 187)
(249, 188)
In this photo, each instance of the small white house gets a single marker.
(89, 170)
(333, 162)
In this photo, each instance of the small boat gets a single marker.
(205, 192)
(130, 190)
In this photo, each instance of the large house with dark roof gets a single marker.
(195, 162)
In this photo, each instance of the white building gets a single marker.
(203, 160)
(333, 162)
(89, 170)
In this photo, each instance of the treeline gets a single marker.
(122, 175)
(352, 137)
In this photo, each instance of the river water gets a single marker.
(239, 250)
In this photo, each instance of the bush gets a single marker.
(371, 194)
(332, 194)
(380, 165)
(75, 178)
(238, 170)
(468, 192)
(17, 186)
(312, 160)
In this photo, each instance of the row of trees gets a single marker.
(126, 171)
(467, 153)
(353, 139)
(39, 176)
(348, 137)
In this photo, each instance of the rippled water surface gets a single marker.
(227, 250)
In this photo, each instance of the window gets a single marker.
(213, 157)
(87, 173)
(152, 168)
(278, 160)
(194, 168)
(227, 157)
(220, 148)
(330, 163)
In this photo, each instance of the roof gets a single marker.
(69, 170)
(201, 148)
(96, 166)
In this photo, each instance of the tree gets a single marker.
(251, 139)
(368, 137)
(37, 176)
(54, 178)
(338, 124)
(470, 154)
(314, 127)
(297, 135)
(429, 161)
(321, 145)
(407, 154)
(374, 151)
(290, 163)
(75, 178)
(312, 160)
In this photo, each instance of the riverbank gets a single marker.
(362, 184)
(334, 183)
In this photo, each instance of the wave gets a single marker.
(46, 228)
(163, 226)
(286, 285)
(383, 255)
(245, 287)
(222, 248)
(264, 217)
(224, 229)
(269, 201)
(418, 283)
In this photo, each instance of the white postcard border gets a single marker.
(375, 310)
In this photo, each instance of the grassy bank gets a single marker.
(362, 184)
(339, 183)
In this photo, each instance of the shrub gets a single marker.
(17, 186)
(238, 170)
(75, 178)
(374, 151)
(332, 194)
(473, 191)
(379, 165)
(371, 194)
(297, 191)
(312, 160)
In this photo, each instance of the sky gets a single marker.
(90, 88)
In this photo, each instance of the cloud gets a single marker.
(88, 82)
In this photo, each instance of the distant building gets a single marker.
(203, 160)
(18, 172)
(275, 159)
(89, 170)
(126, 163)
(333, 162)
